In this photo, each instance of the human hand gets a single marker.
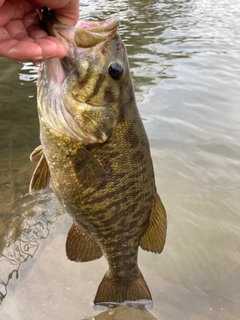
(21, 37)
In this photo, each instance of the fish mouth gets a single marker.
(91, 33)
(85, 34)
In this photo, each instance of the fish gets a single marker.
(95, 155)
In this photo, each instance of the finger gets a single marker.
(14, 9)
(16, 29)
(51, 47)
(68, 15)
(20, 50)
(13, 49)
(31, 19)
(4, 35)
(65, 11)
(28, 50)
(31, 23)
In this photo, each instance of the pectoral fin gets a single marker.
(89, 171)
(35, 156)
(154, 238)
(81, 247)
(40, 181)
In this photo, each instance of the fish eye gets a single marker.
(115, 70)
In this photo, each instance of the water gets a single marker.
(185, 63)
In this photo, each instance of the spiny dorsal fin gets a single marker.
(89, 171)
(80, 247)
(35, 156)
(154, 238)
(40, 181)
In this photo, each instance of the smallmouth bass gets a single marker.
(95, 154)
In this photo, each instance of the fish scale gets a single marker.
(101, 172)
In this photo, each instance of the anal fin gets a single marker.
(80, 247)
(154, 238)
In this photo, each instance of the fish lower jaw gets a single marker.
(139, 304)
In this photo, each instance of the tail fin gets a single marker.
(116, 291)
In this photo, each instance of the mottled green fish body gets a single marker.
(95, 155)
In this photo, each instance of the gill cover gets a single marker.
(79, 95)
